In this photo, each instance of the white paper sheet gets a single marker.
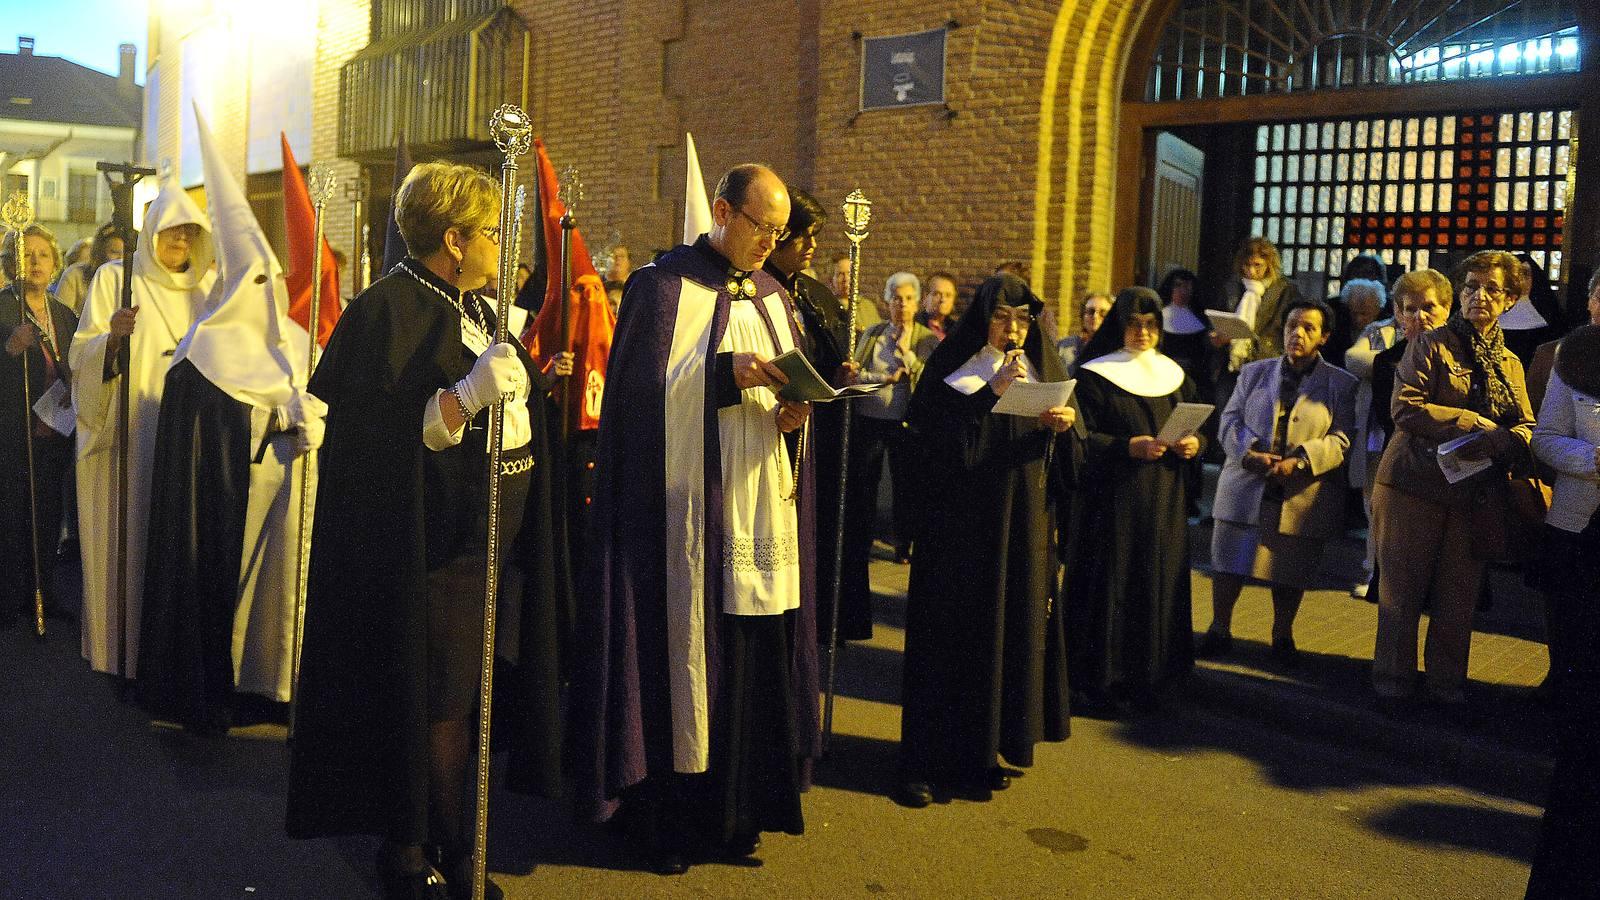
(1185, 420)
(1032, 398)
(1230, 325)
(1453, 466)
(54, 408)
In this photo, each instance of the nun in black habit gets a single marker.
(985, 668)
(1128, 621)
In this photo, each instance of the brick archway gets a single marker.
(1084, 196)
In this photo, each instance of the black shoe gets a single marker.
(458, 862)
(425, 885)
(742, 845)
(913, 794)
(668, 862)
(998, 779)
(1285, 653)
(1145, 700)
(1099, 705)
(1213, 644)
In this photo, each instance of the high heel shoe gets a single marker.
(427, 884)
(458, 863)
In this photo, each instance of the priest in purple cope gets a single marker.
(694, 711)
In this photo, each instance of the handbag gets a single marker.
(1507, 517)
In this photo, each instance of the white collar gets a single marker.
(1180, 320)
(982, 366)
(1147, 374)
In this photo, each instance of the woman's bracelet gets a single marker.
(466, 411)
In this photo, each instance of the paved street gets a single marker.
(1192, 802)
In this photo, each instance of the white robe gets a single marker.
(165, 314)
(264, 620)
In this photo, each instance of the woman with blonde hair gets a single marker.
(1260, 294)
(393, 630)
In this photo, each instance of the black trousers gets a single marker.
(871, 442)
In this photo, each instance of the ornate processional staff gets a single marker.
(122, 206)
(17, 216)
(857, 215)
(320, 185)
(513, 135)
(356, 192)
(570, 194)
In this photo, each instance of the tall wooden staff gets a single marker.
(17, 215)
(857, 214)
(122, 205)
(570, 194)
(320, 185)
(513, 134)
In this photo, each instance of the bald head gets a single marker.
(750, 215)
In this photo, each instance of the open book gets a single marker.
(806, 385)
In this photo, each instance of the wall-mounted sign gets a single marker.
(903, 70)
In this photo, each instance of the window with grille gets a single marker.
(83, 196)
(1236, 48)
(1416, 190)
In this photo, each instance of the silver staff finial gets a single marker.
(571, 192)
(320, 184)
(511, 131)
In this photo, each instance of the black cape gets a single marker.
(985, 667)
(388, 511)
(198, 502)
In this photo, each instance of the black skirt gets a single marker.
(455, 601)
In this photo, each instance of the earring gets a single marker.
(458, 270)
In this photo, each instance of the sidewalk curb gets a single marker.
(1461, 759)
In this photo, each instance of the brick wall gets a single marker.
(343, 28)
(778, 82)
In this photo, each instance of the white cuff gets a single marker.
(435, 435)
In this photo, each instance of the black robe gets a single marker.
(52, 462)
(985, 668)
(827, 345)
(1128, 612)
(198, 502)
(388, 511)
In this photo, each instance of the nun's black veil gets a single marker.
(972, 332)
(1130, 302)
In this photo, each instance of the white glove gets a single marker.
(498, 371)
(306, 415)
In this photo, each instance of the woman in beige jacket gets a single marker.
(1456, 380)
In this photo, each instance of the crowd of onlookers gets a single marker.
(1324, 425)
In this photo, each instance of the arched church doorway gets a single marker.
(1419, 131)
